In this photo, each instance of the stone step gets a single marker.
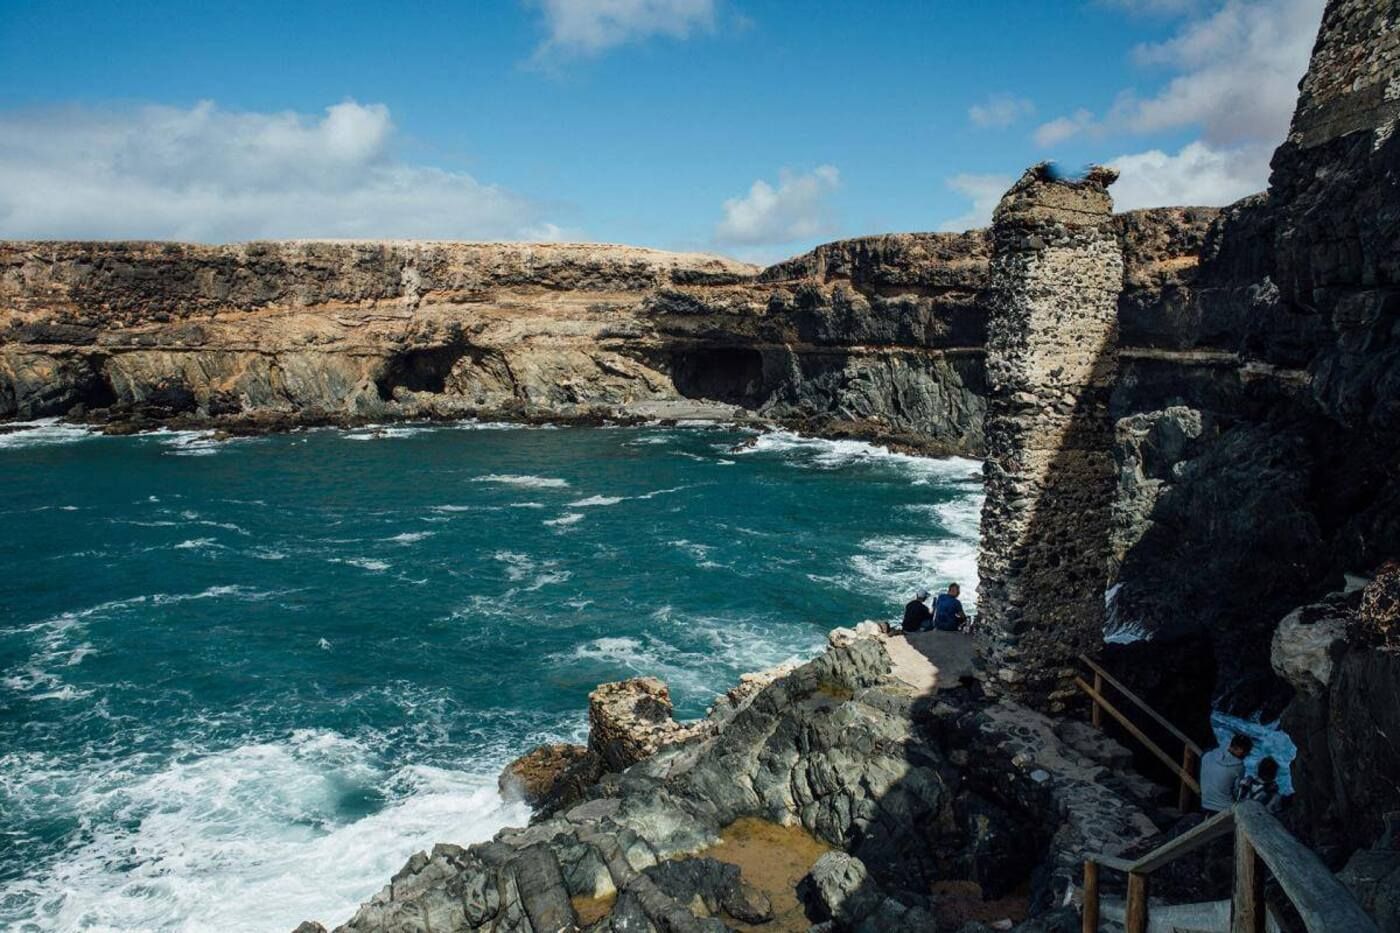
(1201, 917)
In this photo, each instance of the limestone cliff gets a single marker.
(149, 332)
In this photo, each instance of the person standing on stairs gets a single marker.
(1222, 772)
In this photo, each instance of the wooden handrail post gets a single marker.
(1186, 798)
(1091, 897)
(1096, 717)
(1136, 920)
(1249, 912)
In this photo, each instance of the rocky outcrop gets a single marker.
(910, 788)
(1052, 348)
(1346, 708)
(1281, 340)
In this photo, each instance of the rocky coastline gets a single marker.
(908, 785)
(1238, 425)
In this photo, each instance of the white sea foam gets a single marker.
(565, 520)
(820, 453)
(700, 553)
(252, 836)
(41, 433)
(188, 443)
(379, 432)
(372, 564)
(198, 544)
(532, 482)
(411, 537)
(596, 501)
(895, 565)
(521, 568)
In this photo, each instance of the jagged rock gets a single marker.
(550, 776)
(631, 720)
(842, 637)
(838, 888)
(715, 885)
(1378, 622)
(838, 745)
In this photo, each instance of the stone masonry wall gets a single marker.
(1057, 270)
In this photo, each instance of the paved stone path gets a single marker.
(928, 661)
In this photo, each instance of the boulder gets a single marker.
(631, 720)
(1310, 640)
(551, 776)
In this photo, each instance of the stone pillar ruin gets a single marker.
(1052, 332)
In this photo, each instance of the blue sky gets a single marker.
(747, 127)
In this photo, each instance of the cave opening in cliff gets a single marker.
(733, 375)
(420, 370)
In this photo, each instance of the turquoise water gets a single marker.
(240, 683)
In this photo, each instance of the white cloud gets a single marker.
(582, 28)
(1062, 128)
(795, 210)
(1235, 70)
(999, 111)
(212, 175)
(1197, 175)
(984, 191)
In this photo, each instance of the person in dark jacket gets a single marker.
(1263, 786)
(948, 615)
(916, 613)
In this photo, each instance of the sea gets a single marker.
(242, 681)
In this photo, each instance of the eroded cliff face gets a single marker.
(1258, 447)
(877, 337)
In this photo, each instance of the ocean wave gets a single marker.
(258, 836)
(539, 573)
(42, 433)
(379, 432)
(821, 453)
(961, 517)
(410, 537)
(198, 544)
(597, 501)
(894, 567)
(531, 482)
(565, 520)
(372, 564)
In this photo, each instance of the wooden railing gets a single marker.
(1184, 768)
(1261, 843)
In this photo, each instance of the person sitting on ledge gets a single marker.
(948, 615)
(1263, 786)
(916, 612)
(1222, 772)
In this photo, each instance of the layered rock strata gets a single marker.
(1052, 343)
(912, 788)
(878, 337)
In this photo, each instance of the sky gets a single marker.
(749, 128)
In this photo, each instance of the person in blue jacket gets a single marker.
(948, 615)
